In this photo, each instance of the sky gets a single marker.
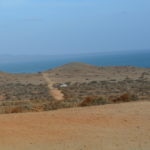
(73, 26)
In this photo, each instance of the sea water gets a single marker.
(38, 63)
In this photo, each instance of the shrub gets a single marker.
(125, 98)
(16, 109)
(88, 101)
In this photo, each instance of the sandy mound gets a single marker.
(109, 127)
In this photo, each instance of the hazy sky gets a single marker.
(72, 26)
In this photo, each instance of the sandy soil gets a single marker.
(56, 93)
(110, 127)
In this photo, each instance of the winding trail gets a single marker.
(56, 93)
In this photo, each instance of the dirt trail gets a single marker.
(56, 93)
(110, 127)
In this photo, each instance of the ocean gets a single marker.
(38, 63)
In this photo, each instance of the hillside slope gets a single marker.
(80, 72)
(72, 84)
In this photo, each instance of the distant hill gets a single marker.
(80, 72)
(75, 68)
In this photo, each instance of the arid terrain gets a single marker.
(71, 85)
(124, 123)
(124, 126)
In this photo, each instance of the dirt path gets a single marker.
(110, 127)
(56, 93)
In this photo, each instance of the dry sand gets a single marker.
(110, 127)
(56, 93)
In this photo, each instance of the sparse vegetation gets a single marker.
(24, 92)
(134, 89)
(86, 86)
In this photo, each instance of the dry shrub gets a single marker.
(16, 109)
(89, 101)
(125, 98)
(86, 101)
(9, 109)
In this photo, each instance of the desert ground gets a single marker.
(46, 110)
(124, 126)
